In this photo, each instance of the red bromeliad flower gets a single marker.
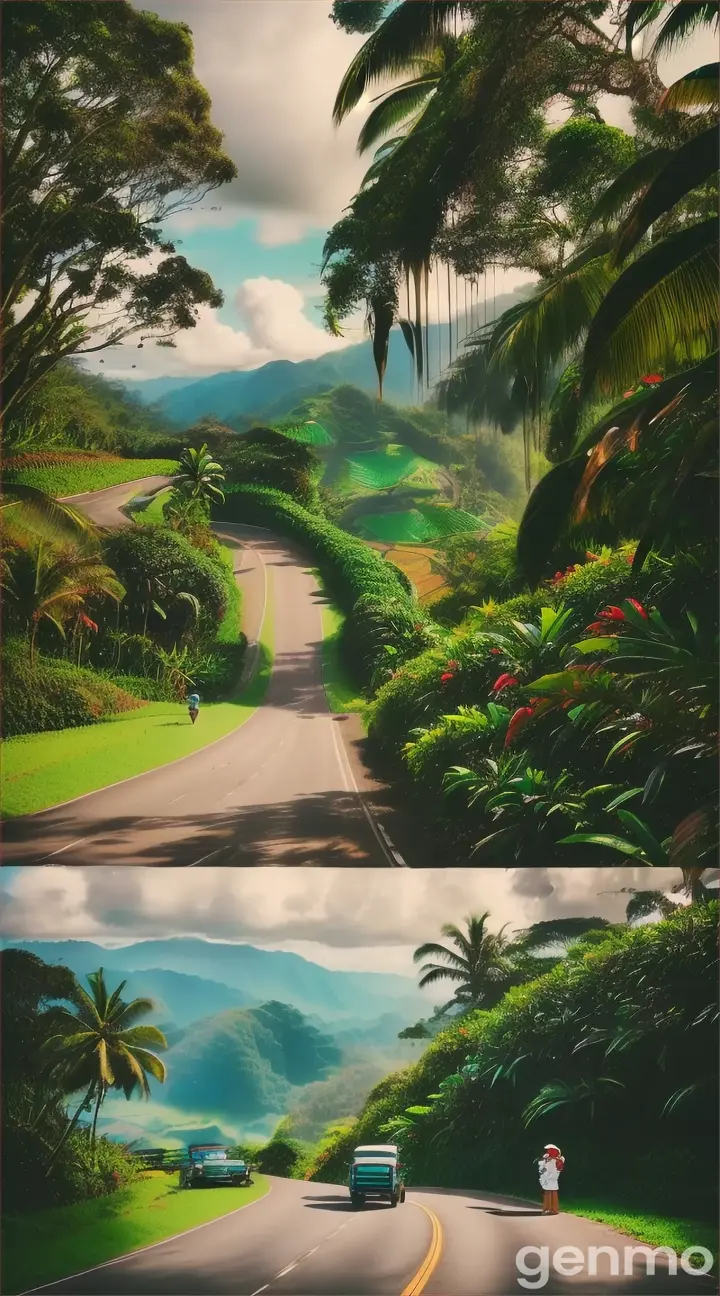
(611, 613)
(495, 652)
(652, 379)
(517, 720)
(447, 676)
(503, 682)
(627, 394)
(638, 607)
(89, 625)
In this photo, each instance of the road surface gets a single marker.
(304, 1240)
(283, 789)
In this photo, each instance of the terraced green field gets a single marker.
(381, 469)
(420, 525)
(310, 433)
(86, 474)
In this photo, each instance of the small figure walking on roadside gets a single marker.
(193, 706)
(550, 1167)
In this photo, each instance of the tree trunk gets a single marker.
(98, 1101)
(67, 1132)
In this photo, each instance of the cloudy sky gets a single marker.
(355, 919)
(272, 68)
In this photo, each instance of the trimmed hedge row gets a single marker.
(54, 694)
(384, 625)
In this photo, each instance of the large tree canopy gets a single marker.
(107, 132)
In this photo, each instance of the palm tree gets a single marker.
(480, 968)
(53, 584)
(199, 476)
(25, 508)
(97, 1047)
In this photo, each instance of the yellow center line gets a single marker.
(430, 1263)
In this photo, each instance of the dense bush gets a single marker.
(281, 1156)
(158, 566)
(76, 1175)
(384, 625)
(652, 989)
(54, 694)
(264, 457)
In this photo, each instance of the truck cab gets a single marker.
(376, 1175)
(211, 1165)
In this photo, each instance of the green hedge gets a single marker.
(53, 694)
(384, 624)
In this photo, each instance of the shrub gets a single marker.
(75, 1176)
(54, 694)
(383, 622)
(280, 1157)
(155, 563)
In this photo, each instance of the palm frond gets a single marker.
(688, 168)
(638, 15)
(681, 22)
(406, 38)
(395, 107)
(661, 312)
(545, 516)
(627, 185)
(697, 89)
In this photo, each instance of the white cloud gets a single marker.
(350, 918)
(276, 328)
(272, 71)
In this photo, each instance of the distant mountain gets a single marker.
(274, 388)
(256, 975)
(243, 1063)
(179, 998)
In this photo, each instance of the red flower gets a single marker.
(85, 620)
(638, 607)
(446, 677)
(453, 665)
(557, 578)
(503, 682)
(591, 557)
(651, 379)
(517, 721)
(495, 652)
(597, 627)
(612, 613)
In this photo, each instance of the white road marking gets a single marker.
(393, 857)
(206, 857)
(60, 850)
(180, 798)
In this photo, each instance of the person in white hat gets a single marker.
(550, 1166)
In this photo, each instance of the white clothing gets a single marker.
(549, 1174)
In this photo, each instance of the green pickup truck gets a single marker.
(376, 1175)
(211, 1166)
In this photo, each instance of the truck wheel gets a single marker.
(402, 1196)
(394, 1200)
(355, 1201)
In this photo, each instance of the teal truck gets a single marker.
(376, 1175)
(211, 1165)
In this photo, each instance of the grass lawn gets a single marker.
(75, 479)
(52, 1244)
(340, 693)
(154, 510)
(655, 1230)
(45, 769)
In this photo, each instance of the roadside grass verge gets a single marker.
(341, 693)
(45, 769)
(74, 479)
(153, 513)
(646, 1226)
(48, 1245)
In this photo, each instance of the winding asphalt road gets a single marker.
(305, 1240)
(284, 789)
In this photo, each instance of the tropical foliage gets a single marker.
(63, 1049)
(617, 1043)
